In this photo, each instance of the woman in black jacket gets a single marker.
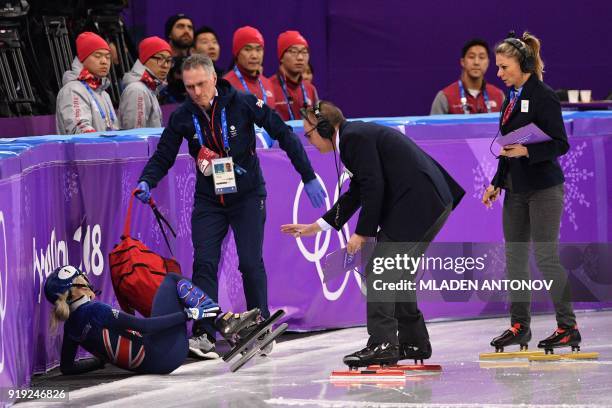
(533, 181)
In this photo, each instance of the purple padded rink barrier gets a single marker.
(63, 200)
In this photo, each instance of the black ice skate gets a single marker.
(412, 352)
(377, 357)
(415, 352)
(382, 354)
(258, 338)
(563, 337)
(517, 334)
(234, 326)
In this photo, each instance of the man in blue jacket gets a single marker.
(217, 122)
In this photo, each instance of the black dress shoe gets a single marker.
(381, 353)
(413, 352)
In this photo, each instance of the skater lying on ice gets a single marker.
(154, 345)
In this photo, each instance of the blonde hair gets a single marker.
(60, 312)
(532, 48)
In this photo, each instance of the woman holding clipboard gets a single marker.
(533, 181)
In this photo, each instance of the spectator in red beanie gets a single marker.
(292, 92)
(139, 106)
(248, 51)
(83, 105)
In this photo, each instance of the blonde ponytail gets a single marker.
(533, 44)
(60, 312)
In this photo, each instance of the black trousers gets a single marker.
(209, 224)
(399, 320)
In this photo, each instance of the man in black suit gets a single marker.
(405, 197)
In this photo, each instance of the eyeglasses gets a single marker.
(161, 61)
(294, 52)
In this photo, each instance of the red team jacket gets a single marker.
(253, 85)
(476, 105)
(294, 94)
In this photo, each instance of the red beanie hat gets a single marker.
(246, 35)
(87, 43)
(151, 46)
(287, 39)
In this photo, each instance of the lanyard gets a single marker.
(289, 99)
(198, 129)
(464, 104)
(100, 110)
(246, 88)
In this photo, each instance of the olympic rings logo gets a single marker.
(3, 287)
(320, 251)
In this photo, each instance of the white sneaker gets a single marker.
(202, 347)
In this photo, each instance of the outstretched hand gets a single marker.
(300, 230)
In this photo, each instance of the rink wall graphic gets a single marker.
(63, 200)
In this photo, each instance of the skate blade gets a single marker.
(510, 354)
(258, 347)
(566, 356)
(262, 327)
(504, 364)
(376, 375)
(408, 367)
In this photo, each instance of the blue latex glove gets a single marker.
(315, 192)
(145, 192)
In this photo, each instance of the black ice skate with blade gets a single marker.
(236, 326)
(257, 339)
(563, 337)
(382, 355)
(517, 334)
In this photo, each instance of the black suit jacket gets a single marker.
(540, 170)
(398, 186)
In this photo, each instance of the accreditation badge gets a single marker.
(224, 176)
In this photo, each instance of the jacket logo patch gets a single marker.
(233, 131)
(195, 136)
(260, 103)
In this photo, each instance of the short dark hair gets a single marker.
(204, 30)
(171, 21)
(473, 42)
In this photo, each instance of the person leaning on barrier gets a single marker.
(139, 107)
(246, 73)
(206, 42)
(471, 93)
(218, 125)
(83, 105)
(291, 91)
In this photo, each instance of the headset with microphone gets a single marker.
(325, 129)
(323, 126)
(526, 59)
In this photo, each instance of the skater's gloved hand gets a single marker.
(208, 308)
(315, 192)
(145, 192)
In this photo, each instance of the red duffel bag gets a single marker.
(136, 271)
